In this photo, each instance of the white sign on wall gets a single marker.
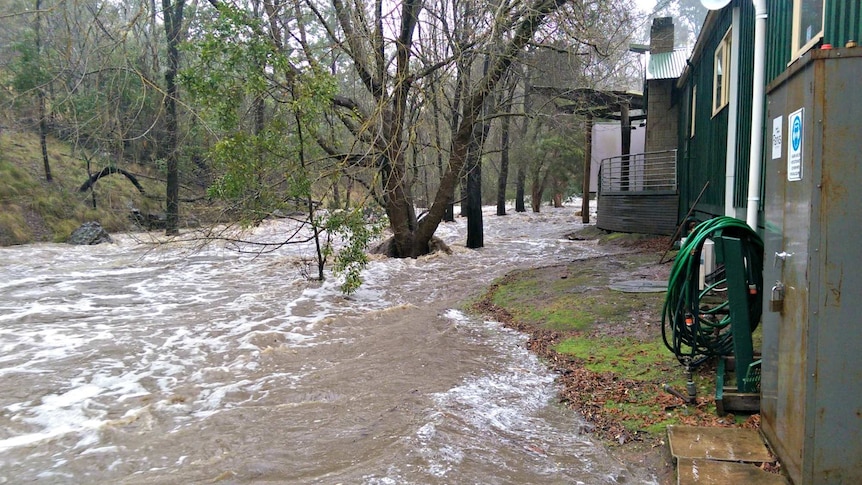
(794, 147)
(776, 137)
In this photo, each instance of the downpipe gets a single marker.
(758, 95)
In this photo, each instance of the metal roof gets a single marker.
(599, 103)
(666, 65)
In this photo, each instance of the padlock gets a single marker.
(776, 299)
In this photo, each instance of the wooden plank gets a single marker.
(709, 472)
(725, 444)
(737, 402)
(638, 212)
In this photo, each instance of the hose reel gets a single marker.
(697, 323)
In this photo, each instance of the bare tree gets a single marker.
(40, 93)
(173, 18)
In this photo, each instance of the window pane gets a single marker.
(728, 48)
(719, 78)
(810, 20)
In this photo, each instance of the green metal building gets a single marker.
(808, 208)
(706, 108)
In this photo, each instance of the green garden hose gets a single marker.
(695, 322)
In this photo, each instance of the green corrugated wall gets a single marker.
(746, 91)
(843, 22)
(702, 157)
(779, 32)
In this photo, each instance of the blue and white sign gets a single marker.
(794, 148)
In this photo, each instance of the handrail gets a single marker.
(639, 172)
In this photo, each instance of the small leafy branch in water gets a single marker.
(357, 232)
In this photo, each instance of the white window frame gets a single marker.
(797, 47)
(721, 66)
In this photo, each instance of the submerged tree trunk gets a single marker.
(502, 180)
(475, 231)
(520, 189)
(537, 191)
(173, 13)
(473, 199)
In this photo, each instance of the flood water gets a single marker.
(128, 364)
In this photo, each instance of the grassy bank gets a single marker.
(607, 345)
(32, 209)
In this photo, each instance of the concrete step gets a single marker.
(707, 455)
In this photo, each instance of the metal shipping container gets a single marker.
(811, 383)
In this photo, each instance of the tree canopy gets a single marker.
(281, 105)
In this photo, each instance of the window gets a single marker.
(721, 75)
(807, 25)
(693, 110)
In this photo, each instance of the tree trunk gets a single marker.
(521, 180)
(449, 215)
(321, 259)
(173, 13)
(465, 196)
(536, 197)
(502, 179)
(40, 94)
(520, 189)
(475, 232)
(537, 191)
(396, 191)
(336, 195)
(43, 136)
(94, 177)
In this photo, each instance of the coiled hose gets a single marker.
(695, 322)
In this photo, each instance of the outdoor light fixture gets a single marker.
(714, 4)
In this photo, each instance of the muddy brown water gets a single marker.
(132, 365)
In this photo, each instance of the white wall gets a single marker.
(607, 142)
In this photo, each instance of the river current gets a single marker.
(128, 363)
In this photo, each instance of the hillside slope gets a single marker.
(32, 209)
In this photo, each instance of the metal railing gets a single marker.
(639, 172)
